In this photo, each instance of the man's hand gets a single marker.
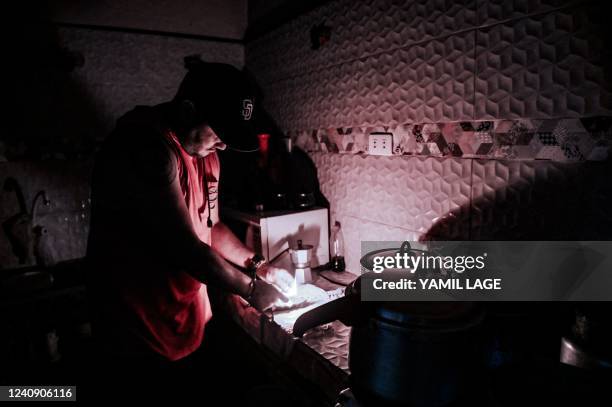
(278, 277)
(266, 296)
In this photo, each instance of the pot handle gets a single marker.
(344, 309)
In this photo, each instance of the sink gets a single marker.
(35, 280)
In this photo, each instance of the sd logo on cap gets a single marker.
(224, 97)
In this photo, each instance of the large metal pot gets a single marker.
(404, 353)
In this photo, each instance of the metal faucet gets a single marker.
(45, 202)
(22, 232)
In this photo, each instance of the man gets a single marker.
(156, 241)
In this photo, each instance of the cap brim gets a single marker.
(238, 135)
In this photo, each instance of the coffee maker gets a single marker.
(301, 255)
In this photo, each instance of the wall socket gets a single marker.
(380, 144)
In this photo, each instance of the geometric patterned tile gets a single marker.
(520, 139)
(536, 200)
(428, 82)
(412, 193)
(495, 11)
(388, 198)
(394, 63)
(551, 139)
(543, 66)
(540, 101)
(359, 29)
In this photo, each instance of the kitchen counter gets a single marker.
(319, 357)
(38, 303)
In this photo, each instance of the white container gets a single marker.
(271, 232)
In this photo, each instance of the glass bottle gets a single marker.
(337, 249)
(261, 173)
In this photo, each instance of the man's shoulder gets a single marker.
(145, 119)
(139, 146)
(144, 127)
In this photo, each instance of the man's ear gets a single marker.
(186, 114)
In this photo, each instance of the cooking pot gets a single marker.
(404, 353)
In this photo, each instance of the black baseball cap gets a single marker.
(225, 98)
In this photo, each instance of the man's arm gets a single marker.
(232, 249)
(229, 246)
(171, 227)
(168, 228)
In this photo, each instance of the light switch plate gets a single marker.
(380, 144)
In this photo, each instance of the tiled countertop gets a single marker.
(320, 356)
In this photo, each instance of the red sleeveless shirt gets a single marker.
(187, 309)
(140, 302)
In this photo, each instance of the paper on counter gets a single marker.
(308, 297)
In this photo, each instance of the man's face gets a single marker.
(201, 141)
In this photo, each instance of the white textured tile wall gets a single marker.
(377, 198)
(359, 29)
(123, 70)
(66, 218)
(412, 193)
(120, 71)
(418, 198)
(227, 18)
(428, 81)
(393, 63)
(544, 66)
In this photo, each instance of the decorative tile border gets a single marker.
(585, 139)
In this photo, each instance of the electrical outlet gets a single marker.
(380, 144)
